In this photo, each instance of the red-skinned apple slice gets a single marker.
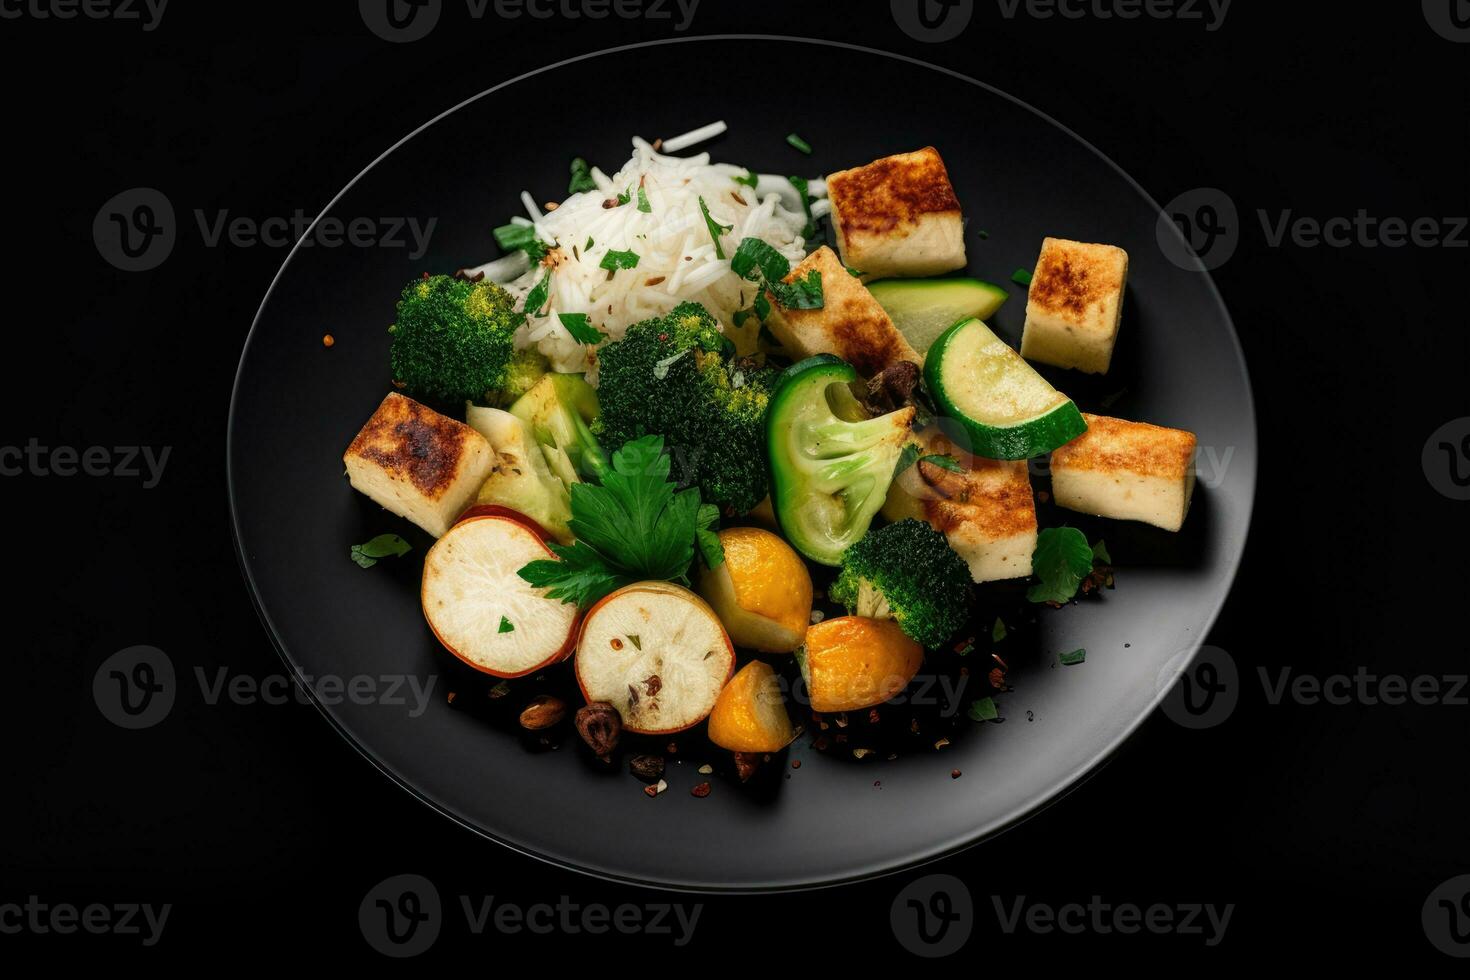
(482, 610)
(657, 653)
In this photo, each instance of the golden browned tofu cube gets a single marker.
(986, 512)
(850, 323)
(1075, 305)
(898, 216)
(418, 464)
(1128, 470)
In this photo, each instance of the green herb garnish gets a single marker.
(1021, 277)
(800, 144)
(643, 204)
(538, 297)
(615, 260)
(907, 456)
(1100, 553)
(715, 228)
(803, 191)
(625, 197)
(636, 526)
(383, 546)
(945, 462)
(1074, 658)
(998, 631)
(581, 328)
(706, 536)
(636, 640)
(983, 710)
(756, 258)
(581, 177)
(803, 294)
(506, 626)
(1062, 560)
(749, 180)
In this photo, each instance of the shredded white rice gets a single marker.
(677, 259)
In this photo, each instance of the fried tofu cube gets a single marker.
(418, 464)
(1131, 471)
(850, 323)
(898, 216)
(1075, 305)
(986, 511)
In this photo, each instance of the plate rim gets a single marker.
(1061, 787)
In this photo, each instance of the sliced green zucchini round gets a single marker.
(922, 309)
(1007, 410)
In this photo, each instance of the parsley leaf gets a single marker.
(751, 179)
(907, 457)
(581, 328)
(983, 710)
(383, 546)
(706, 535)
(1074, 658)
(945, 462)
(538, 297)
(715, 228)
(758, 256)
(643, 204)
(800, 144)
(506, 626)
(803, 191)
(615, 260)
(803, 294)
(625, 197)
(1062, 560)
(1021, 277)
(998, 631)
(581, 177)
(637, 525)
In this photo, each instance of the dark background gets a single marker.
(1327, 826)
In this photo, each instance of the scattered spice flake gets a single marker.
(861, 753)
(1073, 658)
(795, 763)
(914, 725)
(636, 640)
(842, 720)
(672, 748)
(872, 716)
(706, 769)
(1043, 496)
(700, 790)
(550, 206)
(650, 791)
(954, 774)
(499, 690)
(452, 696)
(328, 340)
(822, 743)
(940, 744)
(998, 678)
(877, 784)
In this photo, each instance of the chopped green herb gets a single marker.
(749, 180)
(1062, 560)
(625, 197)
(1021, 277)
(945, 462)
(984, 234)
(756, 258)
(643, 204)
(581, 177)
(983, 710)
(762, 307)
(538, 297)
(907, 457)
(588, 246)
(715, 228)
(803, 294)
(636, 640)
(615, 260)
(707, 537)
(1100, 553)
(506, 626)
(581, 328)
(998, 631)
(383, 546)
(1074, 658)
(803, 191)
(637, 525)
(854, 272)
(800, 144)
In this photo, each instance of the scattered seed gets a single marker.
(328, 340)
(700, 790)
(954, 774)
(706, 769)
(551, 206)
(940, 744)
(861, 753)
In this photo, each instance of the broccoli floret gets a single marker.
(678, 377)
(452, 341)
(907, 572)
(525, 369)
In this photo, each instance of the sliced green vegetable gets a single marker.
(922, 309)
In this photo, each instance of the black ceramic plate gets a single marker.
(1020, 176)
